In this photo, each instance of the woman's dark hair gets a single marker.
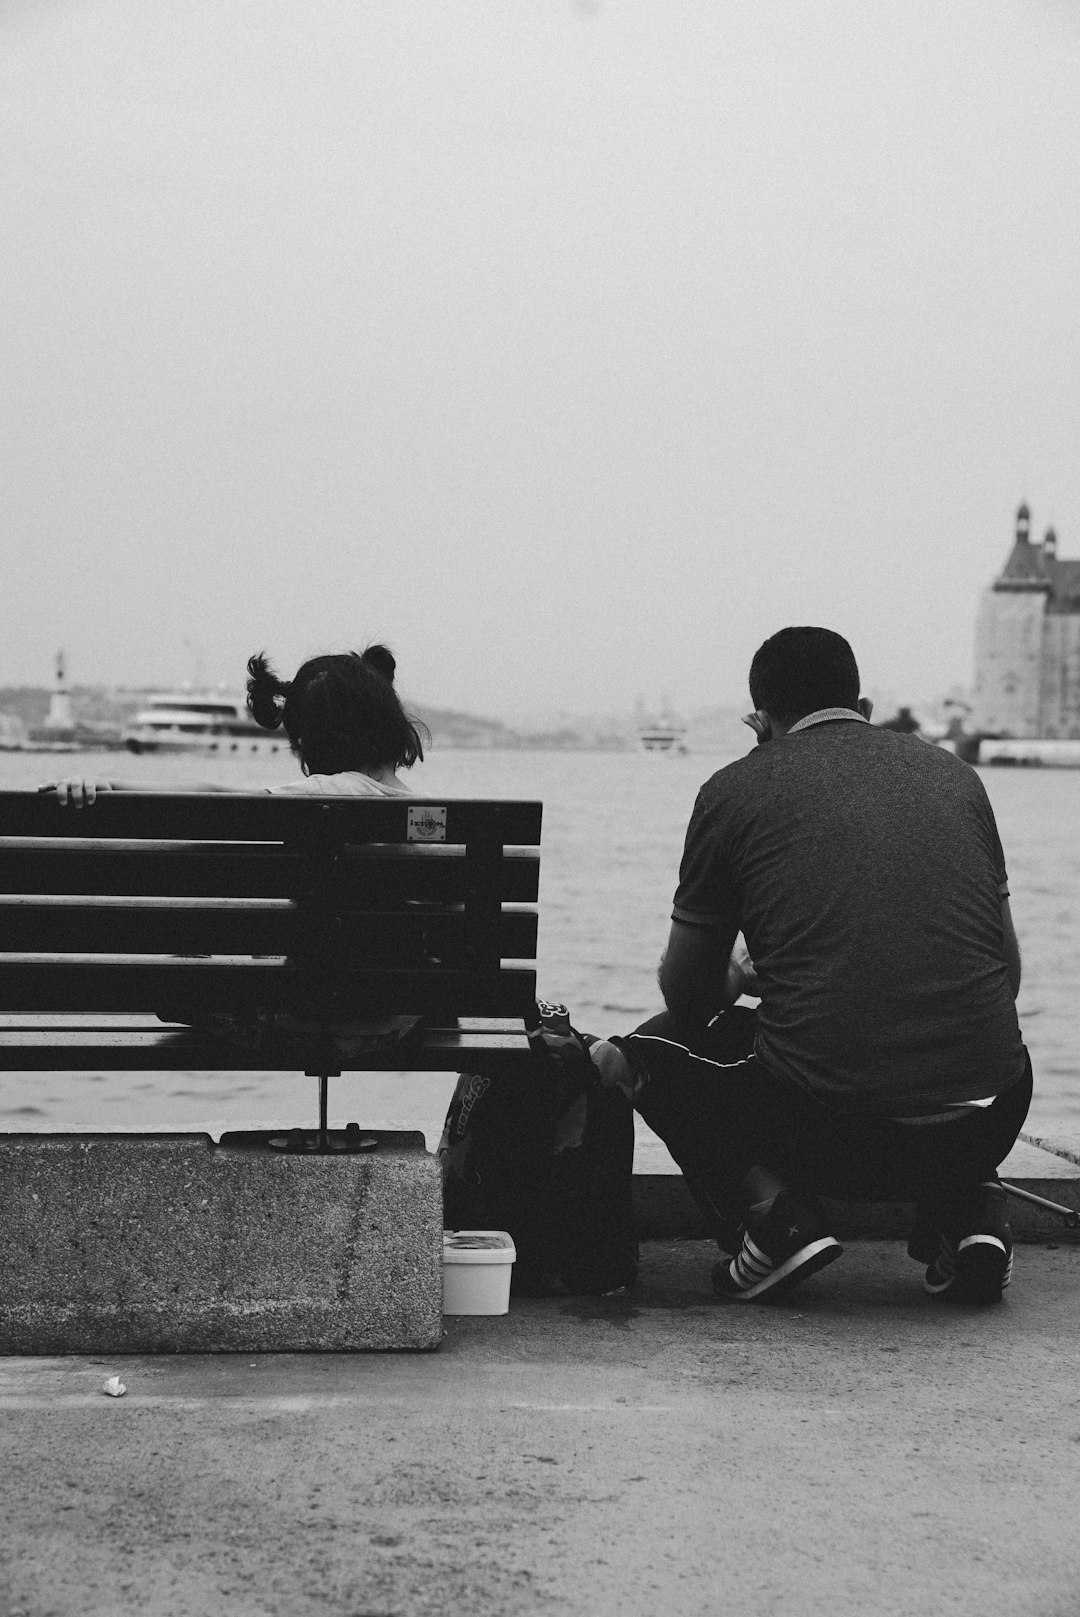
(801, 670)
(339, 712)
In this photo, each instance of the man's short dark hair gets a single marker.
(798, 671)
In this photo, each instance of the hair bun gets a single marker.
(266, 693)
(382, 660)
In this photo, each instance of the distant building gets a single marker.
(1027, 643)
(12, 731)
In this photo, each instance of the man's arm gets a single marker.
(693, 971)
(1012, 947)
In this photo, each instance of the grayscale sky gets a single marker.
(569, 346)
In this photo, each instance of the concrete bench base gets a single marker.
(172, 1244)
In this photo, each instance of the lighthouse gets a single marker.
(59, 715)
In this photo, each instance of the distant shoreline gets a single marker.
(101, 712)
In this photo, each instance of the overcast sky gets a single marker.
(569, 346)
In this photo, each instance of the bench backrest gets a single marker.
(365, 907)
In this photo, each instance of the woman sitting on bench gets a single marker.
(351, 735)
(344, 721)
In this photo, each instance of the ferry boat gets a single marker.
(664, 734)
(199, 721)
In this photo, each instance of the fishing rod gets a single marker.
(1069, 1214)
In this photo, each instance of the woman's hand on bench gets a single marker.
(77, 791)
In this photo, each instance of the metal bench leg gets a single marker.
(324, 1072)
(324, 1132)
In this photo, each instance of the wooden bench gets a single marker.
(333, 908)
(232, 914)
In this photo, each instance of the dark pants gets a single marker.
(720, 1112)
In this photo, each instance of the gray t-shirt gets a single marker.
(865, 871)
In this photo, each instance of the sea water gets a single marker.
(613, 830)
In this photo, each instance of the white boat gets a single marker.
(664, 734)
(199, 721)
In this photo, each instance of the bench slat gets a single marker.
(13, 1023)
(144, 1049)
(365, 875)
(264, 817)
(148, 983)
(261, 926)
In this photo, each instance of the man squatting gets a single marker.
(864, 870)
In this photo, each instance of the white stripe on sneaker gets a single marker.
(981, 1240)
(751, 1246)
(811, 1255)
(747, 1272)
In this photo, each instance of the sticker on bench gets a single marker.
(427, 825)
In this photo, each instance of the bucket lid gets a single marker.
(478, 1246)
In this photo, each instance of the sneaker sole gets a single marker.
(807, 1261)
(938, 1287)
(983, 1269)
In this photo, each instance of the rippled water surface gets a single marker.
(613, 829)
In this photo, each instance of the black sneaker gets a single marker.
(779, 1249)
(925, 1232)
(974, 1257)
(940, 1275)
(933, 1242)
(984, 1247)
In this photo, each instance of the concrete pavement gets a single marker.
(859, 1449)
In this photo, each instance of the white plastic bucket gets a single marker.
(476, 1271)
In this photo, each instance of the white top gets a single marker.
(349, 783)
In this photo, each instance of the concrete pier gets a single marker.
(170, 1243)
(857, 1450)
(862, 1450)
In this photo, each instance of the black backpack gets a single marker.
(546, 1154)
